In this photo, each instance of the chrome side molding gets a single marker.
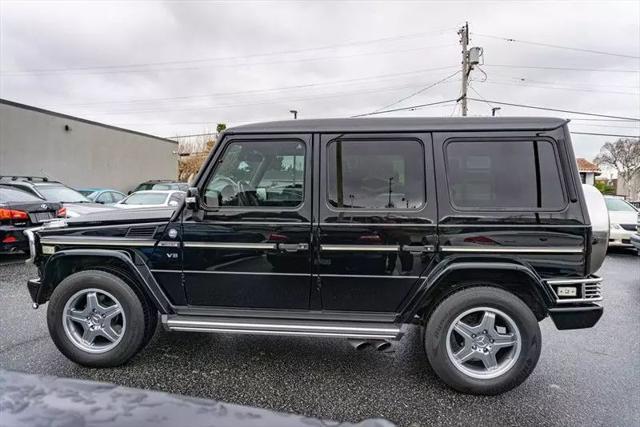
(93, 241)
(514, 249)
(377, 248)
(233, 245)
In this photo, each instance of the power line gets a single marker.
(188, 136)
(481, 97)
(572, 81)
(605, 134)
(562, 68)
(556, 109)
(214, 59)
(417, 92)
(413, 107)
(253, 91)
(555, 46)
(525, 84)
(239, 65)
(266, 102)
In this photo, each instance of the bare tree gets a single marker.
(623, 156)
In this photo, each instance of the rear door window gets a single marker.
(504, 175)
(375, 175)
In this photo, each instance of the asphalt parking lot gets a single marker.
(585, 377)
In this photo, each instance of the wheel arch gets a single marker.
(451, 277)
(127, 266)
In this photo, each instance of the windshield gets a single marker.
(170, 186)
(13, 195)
(86, 192)
(144, 186)
(619, 205)
(60, 193)
(145, 199)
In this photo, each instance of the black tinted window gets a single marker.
(375, 174)
(504, 175)
(259, 173)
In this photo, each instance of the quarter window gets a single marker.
(375, 174)
(259, 173)
(504, 175)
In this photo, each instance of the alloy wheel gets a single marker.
(483, 342)
(94, 320)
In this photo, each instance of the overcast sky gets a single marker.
(175, 68)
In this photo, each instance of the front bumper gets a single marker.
(36, 291)
(635, 241)
(620, 238)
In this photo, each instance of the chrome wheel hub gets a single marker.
(93, 320)
(483, 342)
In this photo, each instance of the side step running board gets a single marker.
(382, 331)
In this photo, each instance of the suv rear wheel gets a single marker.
(96, 319)
(483, 340)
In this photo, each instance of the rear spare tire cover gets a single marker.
(599, 216)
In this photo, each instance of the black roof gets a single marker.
(403, 124)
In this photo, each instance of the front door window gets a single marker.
(259, 174)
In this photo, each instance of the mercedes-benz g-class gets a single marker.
(472, 229)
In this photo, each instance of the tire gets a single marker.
(150, 313)
(134, 316)
(474, 376)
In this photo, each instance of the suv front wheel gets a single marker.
(483, 340)
(96, 319)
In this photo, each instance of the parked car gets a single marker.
(20, 210)
(161, 184)
(104, 196)
(635, 238)
(623, 217)
(52, 191)
(151, 199)
(474, 229)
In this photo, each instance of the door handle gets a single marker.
(293, 247)
(417, 249)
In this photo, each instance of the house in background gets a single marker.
(588, 171)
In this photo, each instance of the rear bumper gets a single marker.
(579, 311)
(13, 238)
(576, 317)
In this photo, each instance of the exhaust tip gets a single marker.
(383, 346)
(360, 344)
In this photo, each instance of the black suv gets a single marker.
(474, 229)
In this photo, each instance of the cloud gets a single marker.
(181, 67)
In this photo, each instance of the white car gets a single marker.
(152, 199)
(623, 220)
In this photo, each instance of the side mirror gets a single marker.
(193, 199)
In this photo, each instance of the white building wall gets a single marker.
(87, 155)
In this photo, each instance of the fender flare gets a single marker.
(134, 263)
(436, 277)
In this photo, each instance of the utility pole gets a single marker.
(470, 57)
(464, 41)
